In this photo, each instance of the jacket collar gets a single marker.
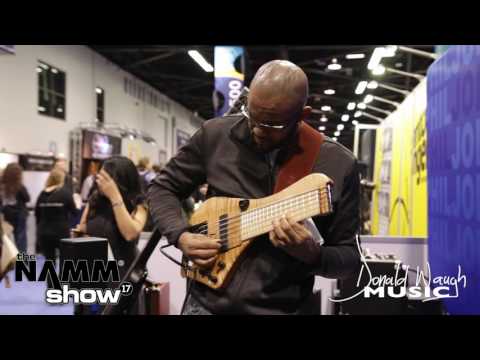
(240, 131)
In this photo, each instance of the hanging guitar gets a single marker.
(237, 222)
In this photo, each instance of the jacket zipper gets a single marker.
(270, 174)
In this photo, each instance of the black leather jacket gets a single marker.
(267, 280)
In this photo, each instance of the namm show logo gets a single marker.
(70, 283)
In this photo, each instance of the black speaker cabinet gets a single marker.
(83, 250)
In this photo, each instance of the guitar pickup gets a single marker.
(223, 222)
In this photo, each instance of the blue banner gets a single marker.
(453, 164)
(229, 77)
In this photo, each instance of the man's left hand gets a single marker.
(287, 233)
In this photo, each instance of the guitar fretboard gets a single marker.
(260, 221)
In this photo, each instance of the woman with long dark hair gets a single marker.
(116, 210)
(15, 198)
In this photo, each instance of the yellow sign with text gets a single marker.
(399, 202)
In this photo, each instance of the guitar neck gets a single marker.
(259, 221)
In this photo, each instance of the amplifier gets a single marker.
(86, 250)
(384, 267)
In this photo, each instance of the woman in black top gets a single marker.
(116, 210)
(14, 203)
(54, 208)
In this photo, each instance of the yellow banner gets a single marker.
(399, 203)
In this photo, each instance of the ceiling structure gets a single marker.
(174, 73)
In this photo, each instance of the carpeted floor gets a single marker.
(28, 298)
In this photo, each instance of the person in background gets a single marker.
(53, 210)
(15, 197)
(70, 185)
(116, 211)
(1, 207)
(145, 173)
(146, 176)
(7, 253)
(62, 165)
(89, 181)
(156, 169)
(1, 231)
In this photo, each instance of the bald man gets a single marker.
(240, 156)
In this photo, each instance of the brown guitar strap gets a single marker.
(300, 160)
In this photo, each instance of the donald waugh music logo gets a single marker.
(397, 287)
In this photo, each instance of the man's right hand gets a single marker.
(199, 248)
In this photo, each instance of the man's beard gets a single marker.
(264, 147)
(269, 146)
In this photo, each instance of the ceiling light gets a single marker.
(361, 106)
(326, 108)
(379, 53)
(355, 122)
(334, 139)
(357, 114)
(354, 56)
(368, 99)
(361, 87)
(195, 55)
(340, 127)
(351, 106)
(345, 117)
(329, 92)
(323, 119)
(390, 50)
(334, 66)
(321, 128)
(375, 58)
(372, 85)
(336, 133)
(379, 70)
